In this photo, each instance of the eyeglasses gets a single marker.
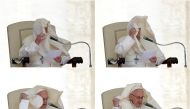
(138, 97)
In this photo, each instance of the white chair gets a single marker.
(17, 32)
(14, 98)
(113, 32)
(107, 97)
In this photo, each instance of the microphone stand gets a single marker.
(170, 44)
(90, 62)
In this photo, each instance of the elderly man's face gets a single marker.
(44, 95)
(136, 97)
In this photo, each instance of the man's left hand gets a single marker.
(58, 59)
(153, 59)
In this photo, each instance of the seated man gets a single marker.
(43, 51)
(36, 98)
(137, 51)
(134, 96)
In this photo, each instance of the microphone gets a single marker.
(90, 60)
(52, 105)
(57, 40)
(150, 105)
(148, 39)
(53, 38)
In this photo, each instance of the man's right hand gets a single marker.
(40, 37)
(115, 102)
(133, 32)
(23, 96)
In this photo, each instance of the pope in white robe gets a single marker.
(37, 98)
(134, 96)
(43, 51)
(137, 51)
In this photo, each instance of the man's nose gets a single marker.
(140, 100)
(45, 100)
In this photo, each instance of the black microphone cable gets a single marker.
(52, 105)
(150, 105)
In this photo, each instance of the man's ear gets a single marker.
(130, 97)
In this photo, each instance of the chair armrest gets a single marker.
(22, 60)
(170, 61)
(75, 60)
(118, 61)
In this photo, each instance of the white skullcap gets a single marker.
(129, 89)
(135, 86)
(36, 101)
(39, 90)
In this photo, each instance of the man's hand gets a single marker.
(153, 59)
(40, 37)
(115, 102)
(133, 32)
(23, 96)
(58, 59)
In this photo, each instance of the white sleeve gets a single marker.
(160, 57)
(24, 104)
(160, 60)
(66, 45)
(60, 104)
(65, 59)
(28, 49)
(124, 45)
(151, 46)
(115, 108)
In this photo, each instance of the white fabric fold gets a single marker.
(124, 44)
